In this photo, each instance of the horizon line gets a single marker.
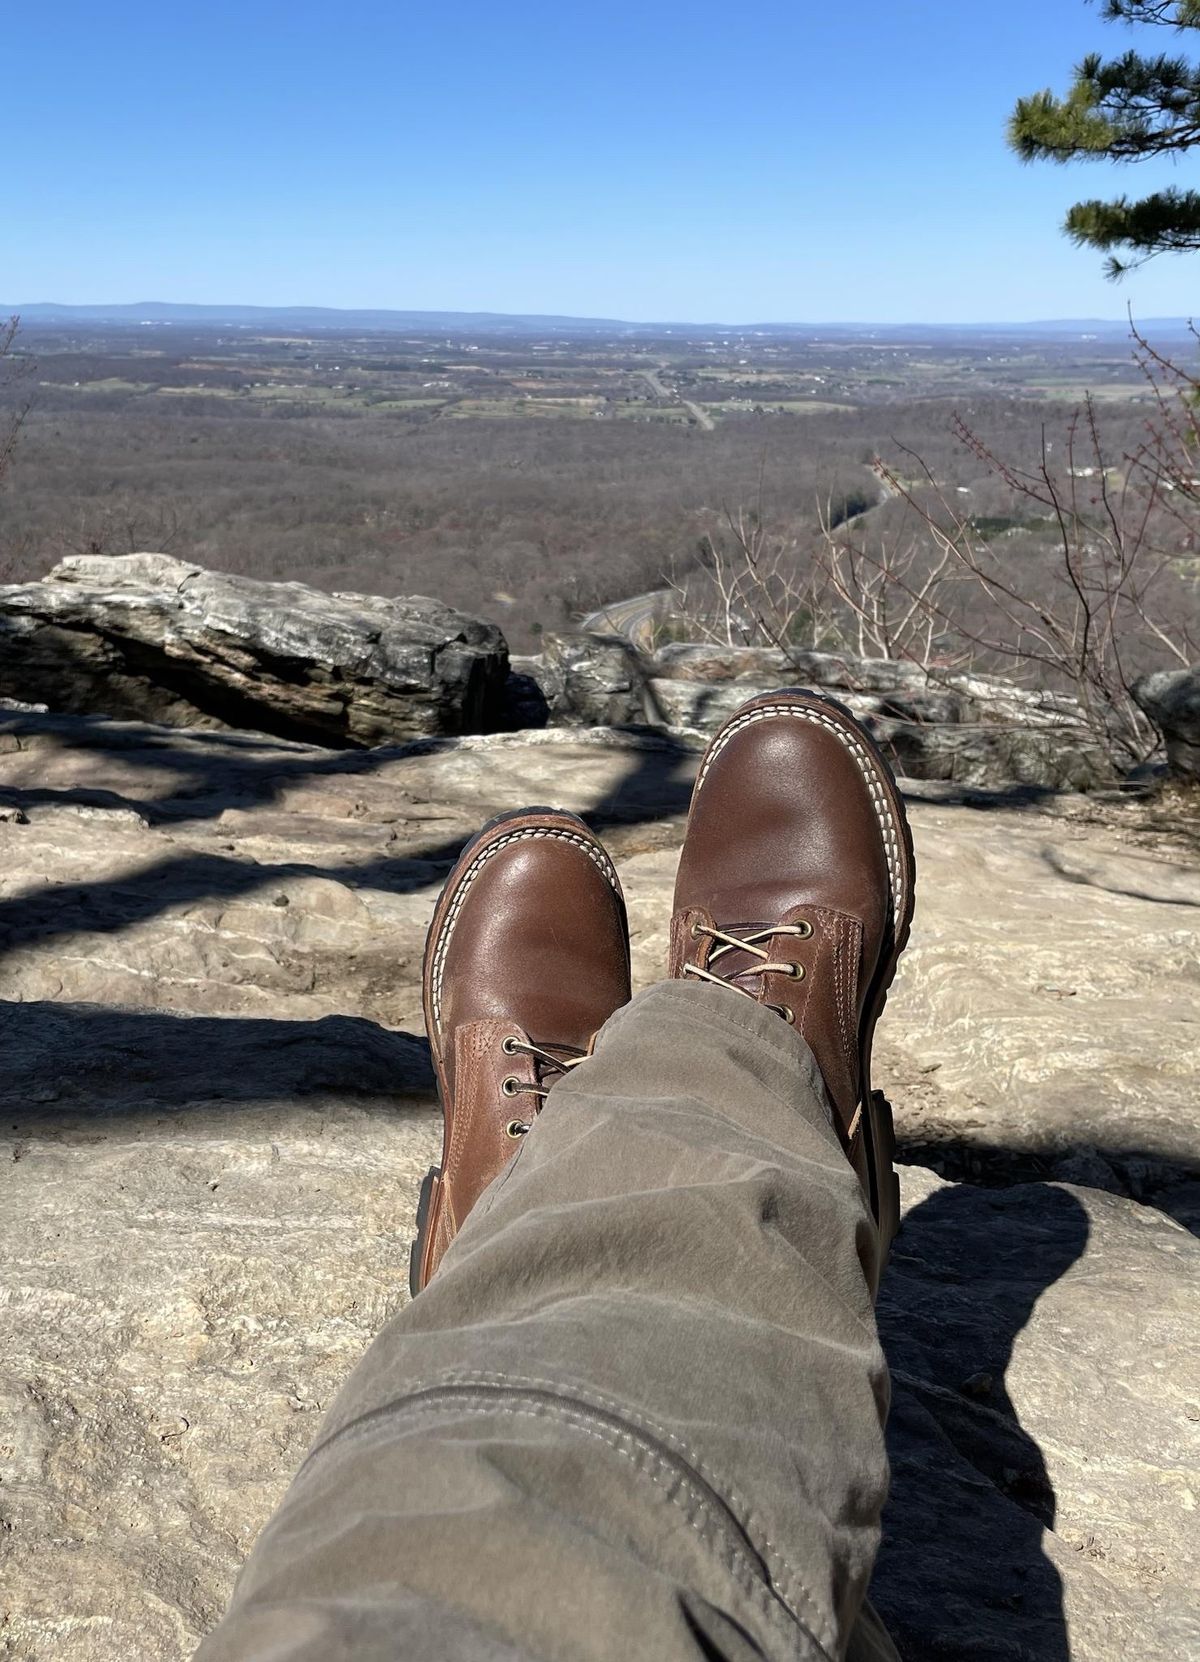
(128, 308)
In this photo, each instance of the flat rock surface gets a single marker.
(216, 1104)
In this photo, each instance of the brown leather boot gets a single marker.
(526, 958)
(795, 887)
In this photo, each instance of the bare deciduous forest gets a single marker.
(531, 480)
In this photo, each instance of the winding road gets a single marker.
(633, 620)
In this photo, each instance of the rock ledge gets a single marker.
(154, 638)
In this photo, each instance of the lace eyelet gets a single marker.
(797, 972)
(803, 929)
(511, 1085)
(509, 1045)
(697, 929)
(516, 1128)
(788, 1014)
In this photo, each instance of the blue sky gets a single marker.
(700, 161)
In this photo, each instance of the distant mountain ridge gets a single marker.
(333, 318)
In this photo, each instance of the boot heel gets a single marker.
(888, 1198)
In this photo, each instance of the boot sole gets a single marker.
(429, 1201)
(876, 1113)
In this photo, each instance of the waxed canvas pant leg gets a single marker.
(638, 1412)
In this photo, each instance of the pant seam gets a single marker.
(739, 1508)
(583, 1407)
(661, 1473)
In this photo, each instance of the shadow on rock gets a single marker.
(1167, 1182)
(655, 787)
(961, 1571)
(71, 1058)
(107, 908)
(212, 771)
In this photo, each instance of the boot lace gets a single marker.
(749, 941)
(544, 1059)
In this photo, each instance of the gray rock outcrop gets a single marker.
(1171, 700)
(217, 1104)
(960, 728)
(150, 637)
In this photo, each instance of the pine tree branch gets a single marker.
(1167, 222)
(1172, 14)
(1125, 109)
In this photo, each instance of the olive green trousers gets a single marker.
(638, 1413)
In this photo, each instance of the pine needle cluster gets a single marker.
(1124, 109)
